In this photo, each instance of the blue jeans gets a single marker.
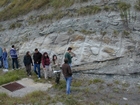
(1, 62)
(5, 64)
(38, 68)
(14, 61)
(68, 83)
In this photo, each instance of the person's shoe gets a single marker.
(30, 76)
(38, 78)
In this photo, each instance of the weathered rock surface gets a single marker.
(98, 37)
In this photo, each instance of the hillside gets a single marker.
(104, 34)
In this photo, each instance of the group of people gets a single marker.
(4, 58)
(49, 65)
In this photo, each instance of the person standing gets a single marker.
(27, 62)
(68, 56)
(1, 61)
(37, 60)
(5, 62)
(66, 69)
(46, 66)
(56, 68)
(14, 57)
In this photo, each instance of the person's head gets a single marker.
(28, 53)
(69, 49)
(36, 50)
(13, 46)
(45, 55)
(65, 60)
(54, 57)
(4, 49)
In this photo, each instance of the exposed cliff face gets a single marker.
(95, 39)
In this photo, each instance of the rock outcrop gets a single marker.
(94, 38)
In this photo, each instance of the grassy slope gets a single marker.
(14, 8)
(84, 92)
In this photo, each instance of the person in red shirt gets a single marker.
(46, 66)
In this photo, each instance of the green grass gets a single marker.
(96, 80)
(1, 28)
(77, 83)
(125, 33)
(87, 32)
(15, 25)
(64, 3)
(137, 5)
(117, 82)
(15, 8)
(107, 8)
(123, 6)
(12, 76)
(61, 86)
(59, 14)
(4, 2)
(89, 10)
(20, 7)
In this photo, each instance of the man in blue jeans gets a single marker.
(14, 57)
(66, 69)
(37, 60)
(1, 60)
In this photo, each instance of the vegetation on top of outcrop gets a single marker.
(14, 8)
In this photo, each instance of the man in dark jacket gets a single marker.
(66, 69)
(14, 57)
(27, 62)
(37, 60)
